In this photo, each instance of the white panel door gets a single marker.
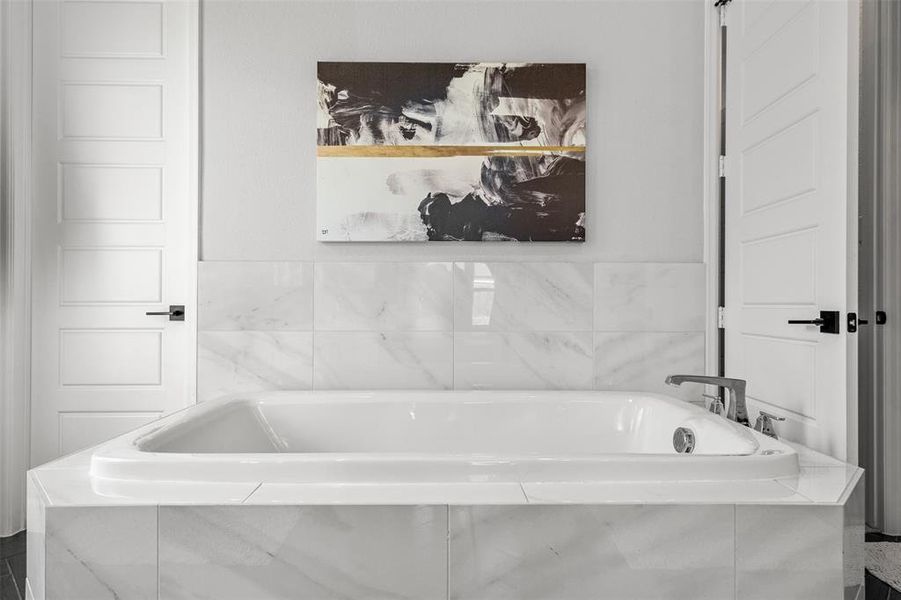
(114, 217)
(791, 130)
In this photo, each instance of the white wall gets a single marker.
(645, 202)
(645, 116)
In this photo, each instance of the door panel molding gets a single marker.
(791, 209)
(116, 146)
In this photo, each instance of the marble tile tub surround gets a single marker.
(267, 541)
(801, 551)
(448, 325)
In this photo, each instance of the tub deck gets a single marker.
(449, 437)
(796, 536)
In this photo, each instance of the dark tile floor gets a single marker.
(12, 570)
(880, 590)
(876, 588)
(12, 567)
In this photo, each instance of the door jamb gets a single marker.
(15, 260)
(713, 107)
(195, 97)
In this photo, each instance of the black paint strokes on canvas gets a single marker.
(361, 97)
(545, 207)
(537, 194)
(370, 102)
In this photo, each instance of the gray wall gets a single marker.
(645, 198)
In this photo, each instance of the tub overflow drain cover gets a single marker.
(684, 440)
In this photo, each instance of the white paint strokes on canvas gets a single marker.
(378, 203)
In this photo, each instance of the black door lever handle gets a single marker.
(827, 322)
(176, 312)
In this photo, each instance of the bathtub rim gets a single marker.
(122, 459)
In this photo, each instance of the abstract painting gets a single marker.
(450, 151)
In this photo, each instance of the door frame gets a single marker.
(16, 28)
(712, 136)
(195, 86)
(713, 130)
(15, 261)
(879, 414)
(852, 249)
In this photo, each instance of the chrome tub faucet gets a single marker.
(766, 424)
(736, 409)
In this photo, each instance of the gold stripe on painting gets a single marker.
(441, 151)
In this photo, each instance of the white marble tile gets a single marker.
(389, 360)
(74, 487)
(248, 361)
(322, 552)
(389, 494)
(661, 492)
(395, 296)
(853, 546)
(255, 295)
(808, 457)
(823, 485)
(35, 539)
(792, 552)
(503, 296)
(100, 553)
(641, 361)
(79, 458)
(590, 552)
(650, 296)
(526, 360)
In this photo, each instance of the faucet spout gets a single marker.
(737, 410)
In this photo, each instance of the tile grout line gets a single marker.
(453, 307)
(312, 328)
(594, 324)
(252, 492)
(447, 510)
(806, 497)
(514, 330)
(158, 593)
(11, 576)
(734, 551)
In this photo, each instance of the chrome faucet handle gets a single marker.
(765, 424)
(716, 407)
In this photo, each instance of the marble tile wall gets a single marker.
(448, 325)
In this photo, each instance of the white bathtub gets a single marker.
(398, 437)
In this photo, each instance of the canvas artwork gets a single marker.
(450, 151)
